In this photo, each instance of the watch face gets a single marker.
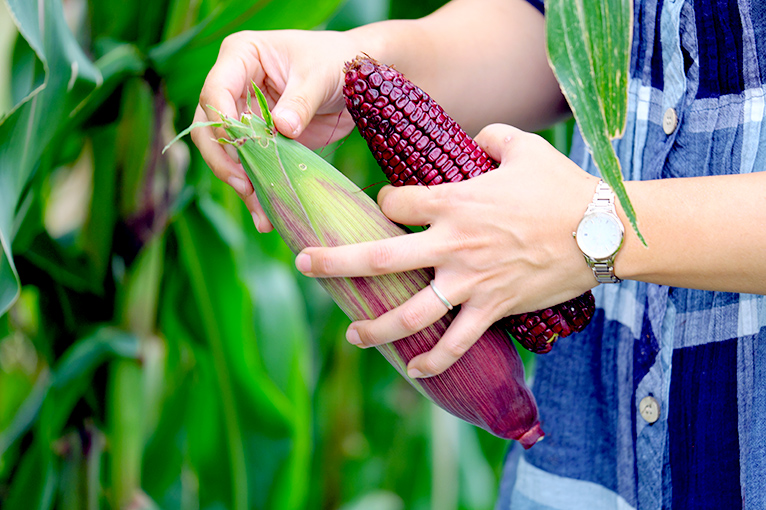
(599, 235)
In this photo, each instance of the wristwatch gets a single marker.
(600, 233)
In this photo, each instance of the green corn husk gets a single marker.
(310, 203)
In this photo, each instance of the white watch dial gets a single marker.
(599, 235)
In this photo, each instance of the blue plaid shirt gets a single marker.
(700, 355)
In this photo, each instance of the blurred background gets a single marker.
(155, 351)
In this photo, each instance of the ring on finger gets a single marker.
(441, 296)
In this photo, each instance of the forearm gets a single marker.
(484, 61)
(702, 232)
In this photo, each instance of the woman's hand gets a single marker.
(500, 243)
(300, 73)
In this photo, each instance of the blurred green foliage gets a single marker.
(155, 351)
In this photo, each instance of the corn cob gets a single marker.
(310, 203)
(415, 142)
(539, 330)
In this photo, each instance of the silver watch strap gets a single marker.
(603, 199)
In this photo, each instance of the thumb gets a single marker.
(297, 105)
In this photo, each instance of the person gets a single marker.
(661, 401)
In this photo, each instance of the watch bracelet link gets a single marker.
(604, 272)
(603, 198)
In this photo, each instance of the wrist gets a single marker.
(625, 263)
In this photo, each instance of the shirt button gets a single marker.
(669, 121)
(649, 409)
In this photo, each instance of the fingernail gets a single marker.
(352, 335)
(290, 118)
(414, 373)
(239, 185)
(257, 222)
(303, 263)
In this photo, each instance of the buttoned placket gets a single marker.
(653, 391)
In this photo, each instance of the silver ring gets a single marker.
(441, 296)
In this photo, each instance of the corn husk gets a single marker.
(310, 203)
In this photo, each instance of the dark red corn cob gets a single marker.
(409, 134)
(538, 331)
(416, 142)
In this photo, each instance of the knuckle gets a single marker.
(411, 319)
(301, 106)
(454, 197)
(387, 201)
(204, 96)
(381, 258)
(251, 201)
(455, 349)
(367, 337)
(196, 136)
(431, 366)
(230, 41)
(322, 264)
(460, 240)
(534, 140)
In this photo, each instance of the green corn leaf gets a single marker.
(65, 77)
(215, 331)
(126, 429)
(588, 45)
(87, 354)
(57, 87)
(26, 413)
(118, 63)
(65, 268)
(79, 478)
(163, 459)
(35, 481)
(256, 393)
(278, 312)
(98, 230)
(134, 139)
(245, 393)
(139, 297)
(60, 389)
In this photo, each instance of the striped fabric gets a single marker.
(701, 355)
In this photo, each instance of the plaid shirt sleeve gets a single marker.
(538, 4)
(696, 358)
